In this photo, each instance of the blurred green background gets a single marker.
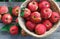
(19, 0)
(12, 0)
(57, 0)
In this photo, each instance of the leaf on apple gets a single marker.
(6, 27)
(10, 10)
(23, 8)
(22, 13)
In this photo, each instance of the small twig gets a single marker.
(23, 33)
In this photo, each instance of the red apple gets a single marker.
(0, 16)
(44, 4)
(3, 9)
(28, 18)
(43, 0)
(55, 17)
(46, 13)
(27, 13)
(7, 18)
(40, 29)
(16, 10)
(13, 30)
(48, 24)
(33, 6)
(30, 25)
(36, 17)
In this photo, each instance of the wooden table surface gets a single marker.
(5, 35)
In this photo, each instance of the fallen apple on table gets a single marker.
(3, 9)
(16, 10)
(7, 18)
(14, 30)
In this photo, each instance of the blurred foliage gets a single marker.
(57, 0)
(19, 0)
(12, 0)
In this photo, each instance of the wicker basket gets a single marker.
(54, 7)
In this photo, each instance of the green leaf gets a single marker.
(10, 0)
(22, 0)
(57, 0)
(17, 24)
(1, 0)
(23, 8)
(19, 0)
(10, 10)
(22, 13)
(6, 27)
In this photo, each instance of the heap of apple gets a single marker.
(39, 17)
(7, 18)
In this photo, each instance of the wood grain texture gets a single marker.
(5, 35)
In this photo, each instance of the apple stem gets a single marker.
(23, 33)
